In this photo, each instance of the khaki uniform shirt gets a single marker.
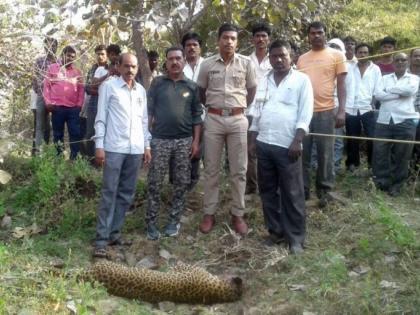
(226, 85)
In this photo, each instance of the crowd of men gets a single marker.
(257, 110)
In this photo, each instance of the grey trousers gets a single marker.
(43, 128)
(280, 184)
(118, 188)
(391, 160)
(322, 122)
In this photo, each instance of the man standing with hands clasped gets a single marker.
(122, 143)
(281, 118)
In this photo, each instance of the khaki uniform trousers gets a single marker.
(217, 131)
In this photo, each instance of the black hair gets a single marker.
(99, 48)
(227, 27)
(316, 25)
(294, 47)
(51, 40)
(278, 43)
(362, 45)
(349, 39)
(174, 48)
(68, 49)
(261, 27)
(412, 52)
(388, 40)
(191, 36)
(152, 54)
(113, 48)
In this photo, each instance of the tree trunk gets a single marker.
(138, 44)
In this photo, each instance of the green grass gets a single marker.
(374, 234)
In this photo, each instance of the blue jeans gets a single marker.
(62, 115)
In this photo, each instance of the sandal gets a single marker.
(100, 252)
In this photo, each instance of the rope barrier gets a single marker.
(309, 134)
(363, 138)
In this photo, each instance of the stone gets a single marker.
(6, 222)
(147, 262)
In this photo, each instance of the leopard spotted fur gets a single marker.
(182, 284)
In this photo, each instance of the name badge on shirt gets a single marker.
(185, 94)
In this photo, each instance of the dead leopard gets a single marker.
(182, 284)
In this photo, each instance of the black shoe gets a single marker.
(307, 194)
(296, 249)
(394, 191)
(273, 239)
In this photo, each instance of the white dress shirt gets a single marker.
(278, 111)
(261, 69)
(192, 72)
(121, 124)
(397, 98)
(363, 88)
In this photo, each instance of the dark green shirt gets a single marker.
(174, 106)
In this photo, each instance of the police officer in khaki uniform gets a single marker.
(227, 86)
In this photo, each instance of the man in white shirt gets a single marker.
(350, 45)
(122, 142)
(415, 69)
(359, 109)
(191, 42)
(281, 116)
(260, 39)
(397, 120)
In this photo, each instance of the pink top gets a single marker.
(63, 86)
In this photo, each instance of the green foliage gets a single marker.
(53, 190)
(370, 21)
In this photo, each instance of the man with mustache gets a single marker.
(191, 42)
(324, 66)
(122, 143)
(260, 39)
(397, 119)
(175, 124)
(283, 112)
(227, 86)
